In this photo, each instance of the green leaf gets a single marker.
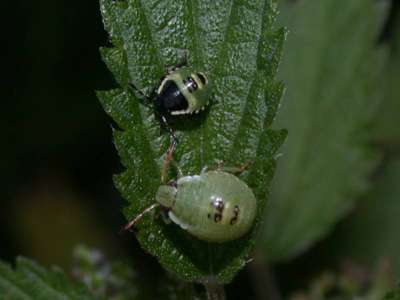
(117, 280)
(393, 295)
(331, 68)
(348, 284)
(370, 233)
(234, 43)
(386, 127)
(30, 281)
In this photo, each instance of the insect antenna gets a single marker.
(140, 216)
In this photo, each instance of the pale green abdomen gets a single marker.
(214, 206)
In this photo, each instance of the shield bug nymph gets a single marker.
(214, 206)
(183, 91)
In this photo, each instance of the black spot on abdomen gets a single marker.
(217, 217)
(219, 206)
(236, 211)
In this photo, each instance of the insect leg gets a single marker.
(140, 216)
(178, 169)
(170, 130)
(233, 170)
(236, 170)
(164, 215)
(170, 151)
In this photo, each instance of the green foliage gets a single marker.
(331, 67)
(352, 282)
(234, 43)
(393, 295)
(116, 280)
(30, 281)
(386, 127)
(370, 234)
(104, 279)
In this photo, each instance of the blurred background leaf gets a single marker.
(386, 125)
(393, 295)
(118, 280)
(370, 233)
(332, 68)
(30, 281)
(115, 280)
(350, 282)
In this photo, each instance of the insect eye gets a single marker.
(202, 78)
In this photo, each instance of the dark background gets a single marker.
(56, 157)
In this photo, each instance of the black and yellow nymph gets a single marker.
(183, 91)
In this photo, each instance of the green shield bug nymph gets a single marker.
(215, 206)
(183, 91)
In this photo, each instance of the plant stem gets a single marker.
(214, 291)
